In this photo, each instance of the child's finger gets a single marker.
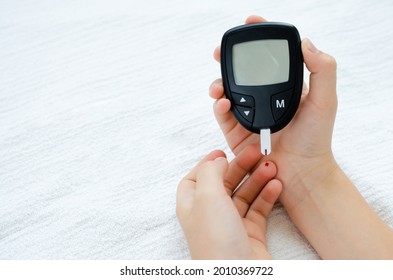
(249, 190)
(186, 188)
(226, 120)
(210, 178)
(222, 106)
(304, 89)
(217, 54)
(240, 166)
(254, 19)
(216, 89)
(262, 206)
(322, 69)
(234, 132)
(184, 198)
(209, 157)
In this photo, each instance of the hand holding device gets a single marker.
(262, 74)
(304, 146)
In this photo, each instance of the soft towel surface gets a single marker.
(104, 107)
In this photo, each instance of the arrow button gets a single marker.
(246, 113)
(243, 100)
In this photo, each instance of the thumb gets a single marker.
(322, 69)
(210, 178)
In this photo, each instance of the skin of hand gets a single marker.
(304, 145)
(318, 196)
(219, 222)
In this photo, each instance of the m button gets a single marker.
(280, 103)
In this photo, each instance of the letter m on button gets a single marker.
(280, 103)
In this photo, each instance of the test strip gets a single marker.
(265, 141)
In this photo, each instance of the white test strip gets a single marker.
(265, 141)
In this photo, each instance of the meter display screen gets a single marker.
(260, 62)
(262, 75)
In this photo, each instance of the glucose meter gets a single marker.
(262, 74)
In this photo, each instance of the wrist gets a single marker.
(334, 217)
(303, 176)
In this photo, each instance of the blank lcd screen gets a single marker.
(260, 62)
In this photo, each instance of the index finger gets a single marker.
(211, 156)
(186, 188)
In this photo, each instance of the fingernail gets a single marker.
(220, 159)
(311, 47)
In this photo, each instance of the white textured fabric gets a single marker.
(104, 107)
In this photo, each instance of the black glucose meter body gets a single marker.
(262, 74)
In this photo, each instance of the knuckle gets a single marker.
(330, 62)
(209, 165)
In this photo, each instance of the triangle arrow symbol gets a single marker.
(246, 113)
(242, 100)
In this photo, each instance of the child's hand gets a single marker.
(220, 224)
(302, 150)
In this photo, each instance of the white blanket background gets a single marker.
(104, 107)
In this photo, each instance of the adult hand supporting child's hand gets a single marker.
(218, 223)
